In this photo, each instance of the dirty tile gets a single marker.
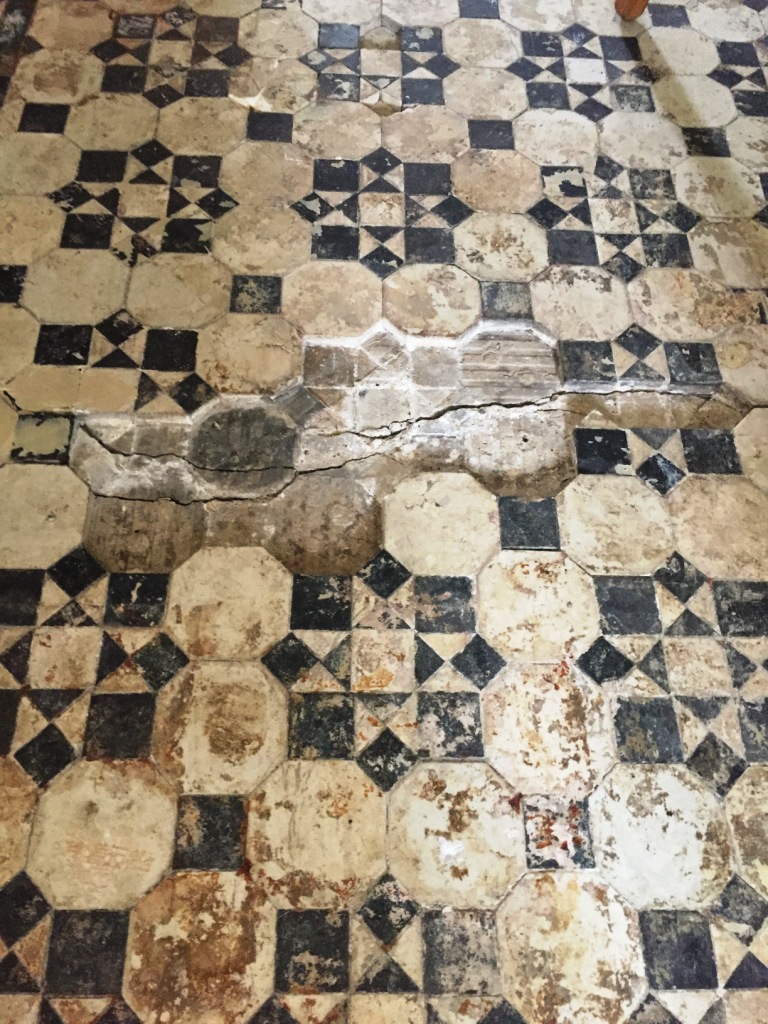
(209, 833)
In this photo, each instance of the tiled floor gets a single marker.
(383, 512)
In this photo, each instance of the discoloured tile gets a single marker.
(185, 288)
(427, 299)
(501, 247)
(16, 820)
(496, 180)
(75, 285)
(580, 302)
(744, 806)
(312, 303)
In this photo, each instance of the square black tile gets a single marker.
(9, 708)
(269, 127)
(479, 8)
(751, 102)
(86, 953)
(449, 725)
(321, 725)
(587, 361)
(634, 98)
(50, 118)
(20, 591)
(647, 732)
(506, 300)
(336, 175)
(542, 44)
(312, 952)
(627, 604)
(11, 282)
(738, 53)
(87, 231)
(716, 763)
(386, 760)
(216, 30)
(706, 142)
(22, 906)
(336, 242)
(338, 36)
(668, 15)
(678, 950)
(290, 660)
(443, 604)
(478, 662)
(460, 952)
(427, 179)
(529, 525)
(388, 909)
(742, 607)
(172, 350)
(119, 725)
(196, 170)
(666, 250)
(651, 184)
(334, 86)
(491, 135)
(135, 26)
(693, 363)
(428, 245)
(184, 234)
(75, 571)
(620, 48)
(753, 717)
(710, 451)
(552, 95)
(136, 599)
(255, 294)
(384, 574)
(322, 602)
(661, 474)
(211, 82)
(209, 833)
(601, 451)
(421, 40)
(573, 248)
(159, 661)
(47, 754)
(124, 78)
(603, 662)
(63, 344)
(557, 833)
(102, 165)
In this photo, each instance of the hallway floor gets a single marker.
(383, 512)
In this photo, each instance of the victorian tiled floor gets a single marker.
(383, 512)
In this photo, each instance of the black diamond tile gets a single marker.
(426, 661)
(321, 602)
(386, 760)
(689, 624)
(15, 658)
(269, 127)
(290, 660)
(439, 65)
(111, 657)
(209, 833)
(694, 363)
(741, 907)
(86, 953)
(502, 1013)
(710, 451)
(661, 474)
(593, 109)
(388, 909)
(587, 361)
(716, 763)
(460, 952)
(601, 451)
(75, 571)
(382, 261)
(159, 661)
(623, 266)
(646, 731)
(217, 203)
(524, 69)
(119, 327)
(163, 96)
(742, 607)
(11, 282)
(136, 599)
(312, 951)
(20, 591)
(680, 577)
(22, 906)
(51, 703)
(603, 663)
(491, 135)
(255, 294)
(172, 350)
(384, 574)
(452, 210)
(50, 118)
(739, 665)
(750, 974)
(274, 1010)
(627, 604)
(44, 756)
(478, 662)
(321, 725)
(443, 604)
(14, 976)
(573, 248)
(547, 214)
(678, 950)
(449, 725)
(191, 393)
(753, 717)
(109, 50)
(119, 725)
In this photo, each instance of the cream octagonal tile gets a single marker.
(751, 437)
(199, 125)
(537, 15)
(18, 324)
(285, 85)
(316, 833)
(496, 180)
(602, 18)
(718, 187)
(681, 305)
(735, 252)
(552, 137)
(746, 808)
(742, 355)
(185, 289)
(546, 733)
(29, 228)
(426, 134)
(353, 12)
(726, 19)
(279, 33)
(58, 76)
(485, 92)
(580, 302)
(220, 727)
(111, 121)
(719, 525)
(660, 836)
(229, 603)
(455, 836)
(678, 51)
(332, 299)
(75, 286)
(694, 101)
(536, 606)
(19, 802)
(441, 524)
(248, 242)
(34, 165)
(333, 131)
(748, 141)
(248, 354)
(431, 298)
(103, 835)
(478, 42)
(201, 948)
(642, 140)
(501, 247)
(70, 25)
(614, 524)
(284, 173)
(421, 12)
(42, 509)
(577, 930)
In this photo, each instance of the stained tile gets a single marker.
(119, 725)
(321, 725)
(647, 732)
(627, 604)
(443, 604)
(22, 906)
(136, 599)
(557, 833)
(529, 525)
(209, 833)
(460, 953)
(86, 953)
(449, 725)
(388, 909)
(312, 952)
(678, 949)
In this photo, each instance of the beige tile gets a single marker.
(694, 100)
(546, 733)
(745, 805)
(64, 658)
(76, 286)
(224, 8)
(179, 289)
(455, 836)
(200, 948)
(718, 187)
(479, 92)
(111, 121)
(58, 76)
(553, 136)
(748, 141)
(16, 323)
(351, 12)
(742, 355)
(71, 25)
(316, 834)
(536, 606)
(421, 12)
(614, 524)
(277, 34)
(697, 666)
(29, 228)
(220, 728)
(19, 1009)
(248, 354)
(279, 85)
(684, 305)
(660, 836)
(43, 508)
(283, 173)
(751, 437)
(331, 131)
(538, 15)
(124, 539)
(87, 848)
(496, 180)
(603, 19)
(332, 299)
(230, 603)
(442, 524)
(132, 7)
(580, 302)
(745, 1007)
(434, 299)
(8, 419)
(501, 247)
(642, 140)
(19, 802)
(678, 51)
(719, 526)
(250, 240)
(426, 134)
(735, 253)
(34, 165)
(729, 20)
(199, 125)
(46, 388)
(587, 937)
(483, 43)
(370, 1008)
